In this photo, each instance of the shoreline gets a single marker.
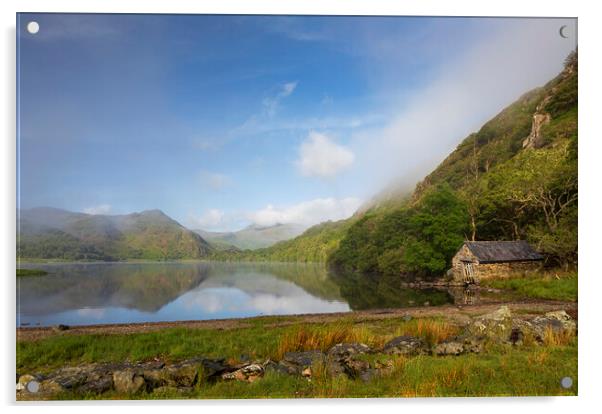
(455, 313)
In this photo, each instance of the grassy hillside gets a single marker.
(516, 178)
(47, 233)
(314, 245)
(251, 237)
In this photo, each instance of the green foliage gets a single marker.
(418, 240)
(314, 245)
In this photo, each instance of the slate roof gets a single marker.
(502, 251)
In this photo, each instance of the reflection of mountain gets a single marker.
(145, 287)
(377, 292)
(149, 287)
(313, 278)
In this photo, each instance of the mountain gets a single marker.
(515, 178)
(51, 233)
(252, 237)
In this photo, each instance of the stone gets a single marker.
(355, 368)
(304, 358)
(127, 381)
(345, 350)
(406, 345)
(248, 373)
(496, 325)
(448, 348)
(24, 380)
(407, 318)
(306, 372)
(60, 327)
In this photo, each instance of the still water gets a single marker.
(97, 293)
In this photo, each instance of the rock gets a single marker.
(356, 368)
(448, 348)
(407, 318)
(24, 380)
(304, 359)
(516, 336)
(248, 373)
(50, 387)
(306, 372)
(97, 383)
(127, 381)
(60, 327)
(343, 351)
(406, 345)
(496, 325)
(557, 321)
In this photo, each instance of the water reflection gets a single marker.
(76, 294)
(143, 292)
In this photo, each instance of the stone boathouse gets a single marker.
(478, 260)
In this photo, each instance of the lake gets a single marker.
(99, 293)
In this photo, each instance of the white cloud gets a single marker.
(306, 213)
(209, 220)
(215, 181)
(320, 156)
(467, 92)
(270, 104)
(100, 209)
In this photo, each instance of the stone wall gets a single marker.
(495, 270)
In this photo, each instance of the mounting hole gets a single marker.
(33, 386)
(33, 27)
(566, 382)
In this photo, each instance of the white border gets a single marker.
(589, 159)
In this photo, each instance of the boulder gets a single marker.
(248, 373)
(406, 345)
(448, 348)
(296, 362)
(457, 346)
(496, 325)
(341, 352)
(127, 381)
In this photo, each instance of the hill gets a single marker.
(516, 178)
(50, 233)
(251, 237)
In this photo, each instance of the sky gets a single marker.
(226, 121)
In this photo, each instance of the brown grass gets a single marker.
(433, 331)
(308, 338)
(553, 337)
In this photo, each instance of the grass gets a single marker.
(540, 286)
(31, 272)
(500, 370)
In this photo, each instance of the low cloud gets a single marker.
(209, 220)
(320, 156)
(100, 209)
(306, 213)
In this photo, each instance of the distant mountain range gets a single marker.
(52, 233)
(252, 237)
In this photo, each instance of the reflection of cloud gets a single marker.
(233, 294)
(92, 313)
(273, 304)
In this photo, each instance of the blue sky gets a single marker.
(225, 121)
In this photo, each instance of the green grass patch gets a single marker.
(31, 272)
(539, 287)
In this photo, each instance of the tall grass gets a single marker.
(548, 285)
(322, 337)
